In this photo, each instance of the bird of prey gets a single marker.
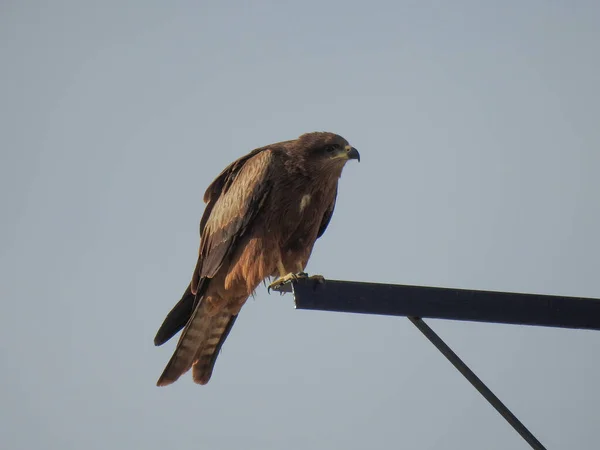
(263, 214)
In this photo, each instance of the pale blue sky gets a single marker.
(477, 124)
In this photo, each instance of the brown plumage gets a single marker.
(263, 214)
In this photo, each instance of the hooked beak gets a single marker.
(352, 153)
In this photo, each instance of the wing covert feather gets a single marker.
(234, 199)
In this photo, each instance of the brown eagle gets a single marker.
(263, 214)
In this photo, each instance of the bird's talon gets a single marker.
(286, 279)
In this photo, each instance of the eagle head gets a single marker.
(330, 151)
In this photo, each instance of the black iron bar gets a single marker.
(447, 303)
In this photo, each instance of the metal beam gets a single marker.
(446, 303)
(416, 302)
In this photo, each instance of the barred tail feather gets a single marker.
(198, 346)
(206, 356)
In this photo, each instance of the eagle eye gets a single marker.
(332, 148)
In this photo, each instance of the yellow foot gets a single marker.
(278, 284)
(286, 279)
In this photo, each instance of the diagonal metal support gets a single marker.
(477, 383)
(416, 302)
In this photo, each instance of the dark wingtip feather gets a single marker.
(164, 382)
(177, 318)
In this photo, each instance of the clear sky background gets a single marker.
(477, 124)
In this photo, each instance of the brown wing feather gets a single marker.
(221, 184)
(226, 183)
(243, 192)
